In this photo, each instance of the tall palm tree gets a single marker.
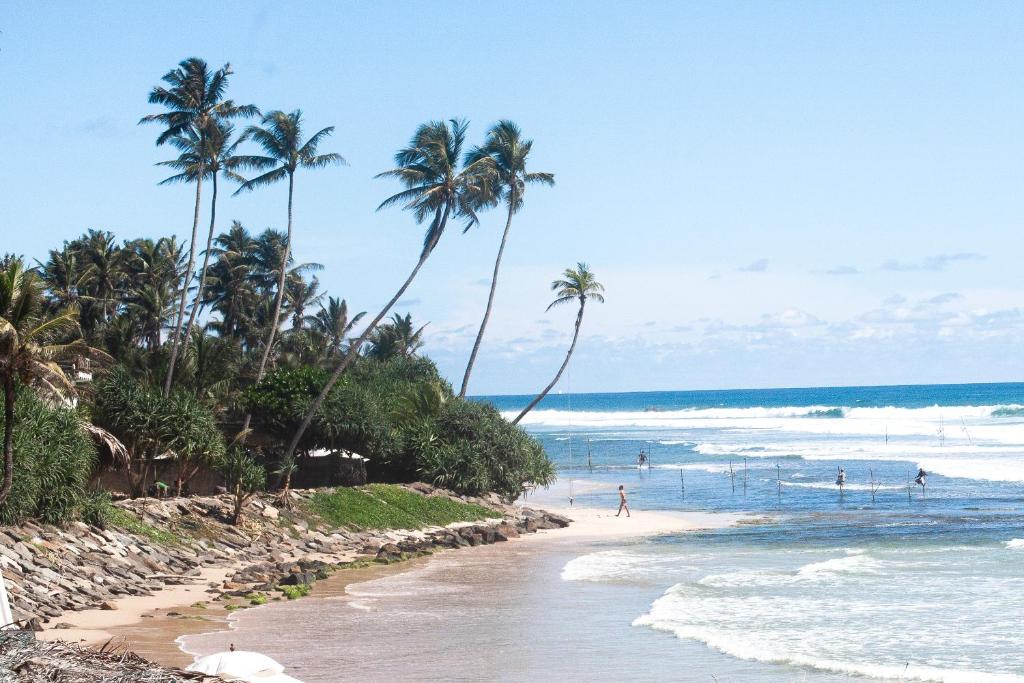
(577, 284)
(280, 136)
(31, 343)
(208, 156)
(503, 157)
(194, 99)
(436, 188)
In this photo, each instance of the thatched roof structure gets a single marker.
(113, 454)
(24, 659)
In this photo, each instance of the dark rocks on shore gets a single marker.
(51, 570)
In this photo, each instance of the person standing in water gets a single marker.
(623, 505)
(921, 476)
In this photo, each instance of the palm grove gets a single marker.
(195, 348)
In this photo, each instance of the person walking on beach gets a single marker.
(623, 505)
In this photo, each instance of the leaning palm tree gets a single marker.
(31, 344)
(280, 136)
(577, 284)
(203, 156)
(503, 157)
(194, 98)
(436, 189)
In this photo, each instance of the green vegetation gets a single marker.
(243, 477)
(54, 459)
(257, 599)
(576, 285)
(181, 355)
(125, 520)
(295, 592)
(152, 424)
(383, 506)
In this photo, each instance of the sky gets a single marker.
(773, 193)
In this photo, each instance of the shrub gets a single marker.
(53, 460)
(243, 477)
(150, 424)
(97, 508)
(403, 416)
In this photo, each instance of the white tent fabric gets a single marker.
(5, 607)
(242, 666)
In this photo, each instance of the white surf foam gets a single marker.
(1015, 544)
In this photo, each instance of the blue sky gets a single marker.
(774, 194)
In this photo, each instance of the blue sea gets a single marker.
(881, 579)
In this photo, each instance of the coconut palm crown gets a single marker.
(502, 162)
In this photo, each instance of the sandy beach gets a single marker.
(152, 625)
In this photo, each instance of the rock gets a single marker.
(270, 512)
(108, 605)
(63, 625)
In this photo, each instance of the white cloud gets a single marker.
(932, 263)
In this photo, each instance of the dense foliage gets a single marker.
(53, 458)
(405, 418)
(182, 346)
(179, 426)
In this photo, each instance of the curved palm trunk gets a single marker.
(176, 339)
(5, 490)
(565, 363)
(206, 262)
(490, 304)
(278, 300)
(353, 349)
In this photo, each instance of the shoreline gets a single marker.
(154, 626)
(166, 630)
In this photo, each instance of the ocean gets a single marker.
(882, 579)
(878, 581)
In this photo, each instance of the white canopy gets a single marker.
(240, 665)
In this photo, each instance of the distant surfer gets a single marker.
(623, 505)
(841, 479)
(921, 477)
(641, 460)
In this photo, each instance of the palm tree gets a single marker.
(280, 136)
(207, 156)
(194, 99)
(332, 323)
(577, 284)
(301, 296)
(435, 188)
(31, 343)
(398, 338)
(503, 157)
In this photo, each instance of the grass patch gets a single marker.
(130, 522)
(293, 592)
(385, 506)
(257, 599)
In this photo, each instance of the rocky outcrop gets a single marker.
(52, 570)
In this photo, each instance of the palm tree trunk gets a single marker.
(490, 302)
(5, 490)
(565, 363)
(206, 262)
(353, 349)
(278, 300)
(176, 339)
